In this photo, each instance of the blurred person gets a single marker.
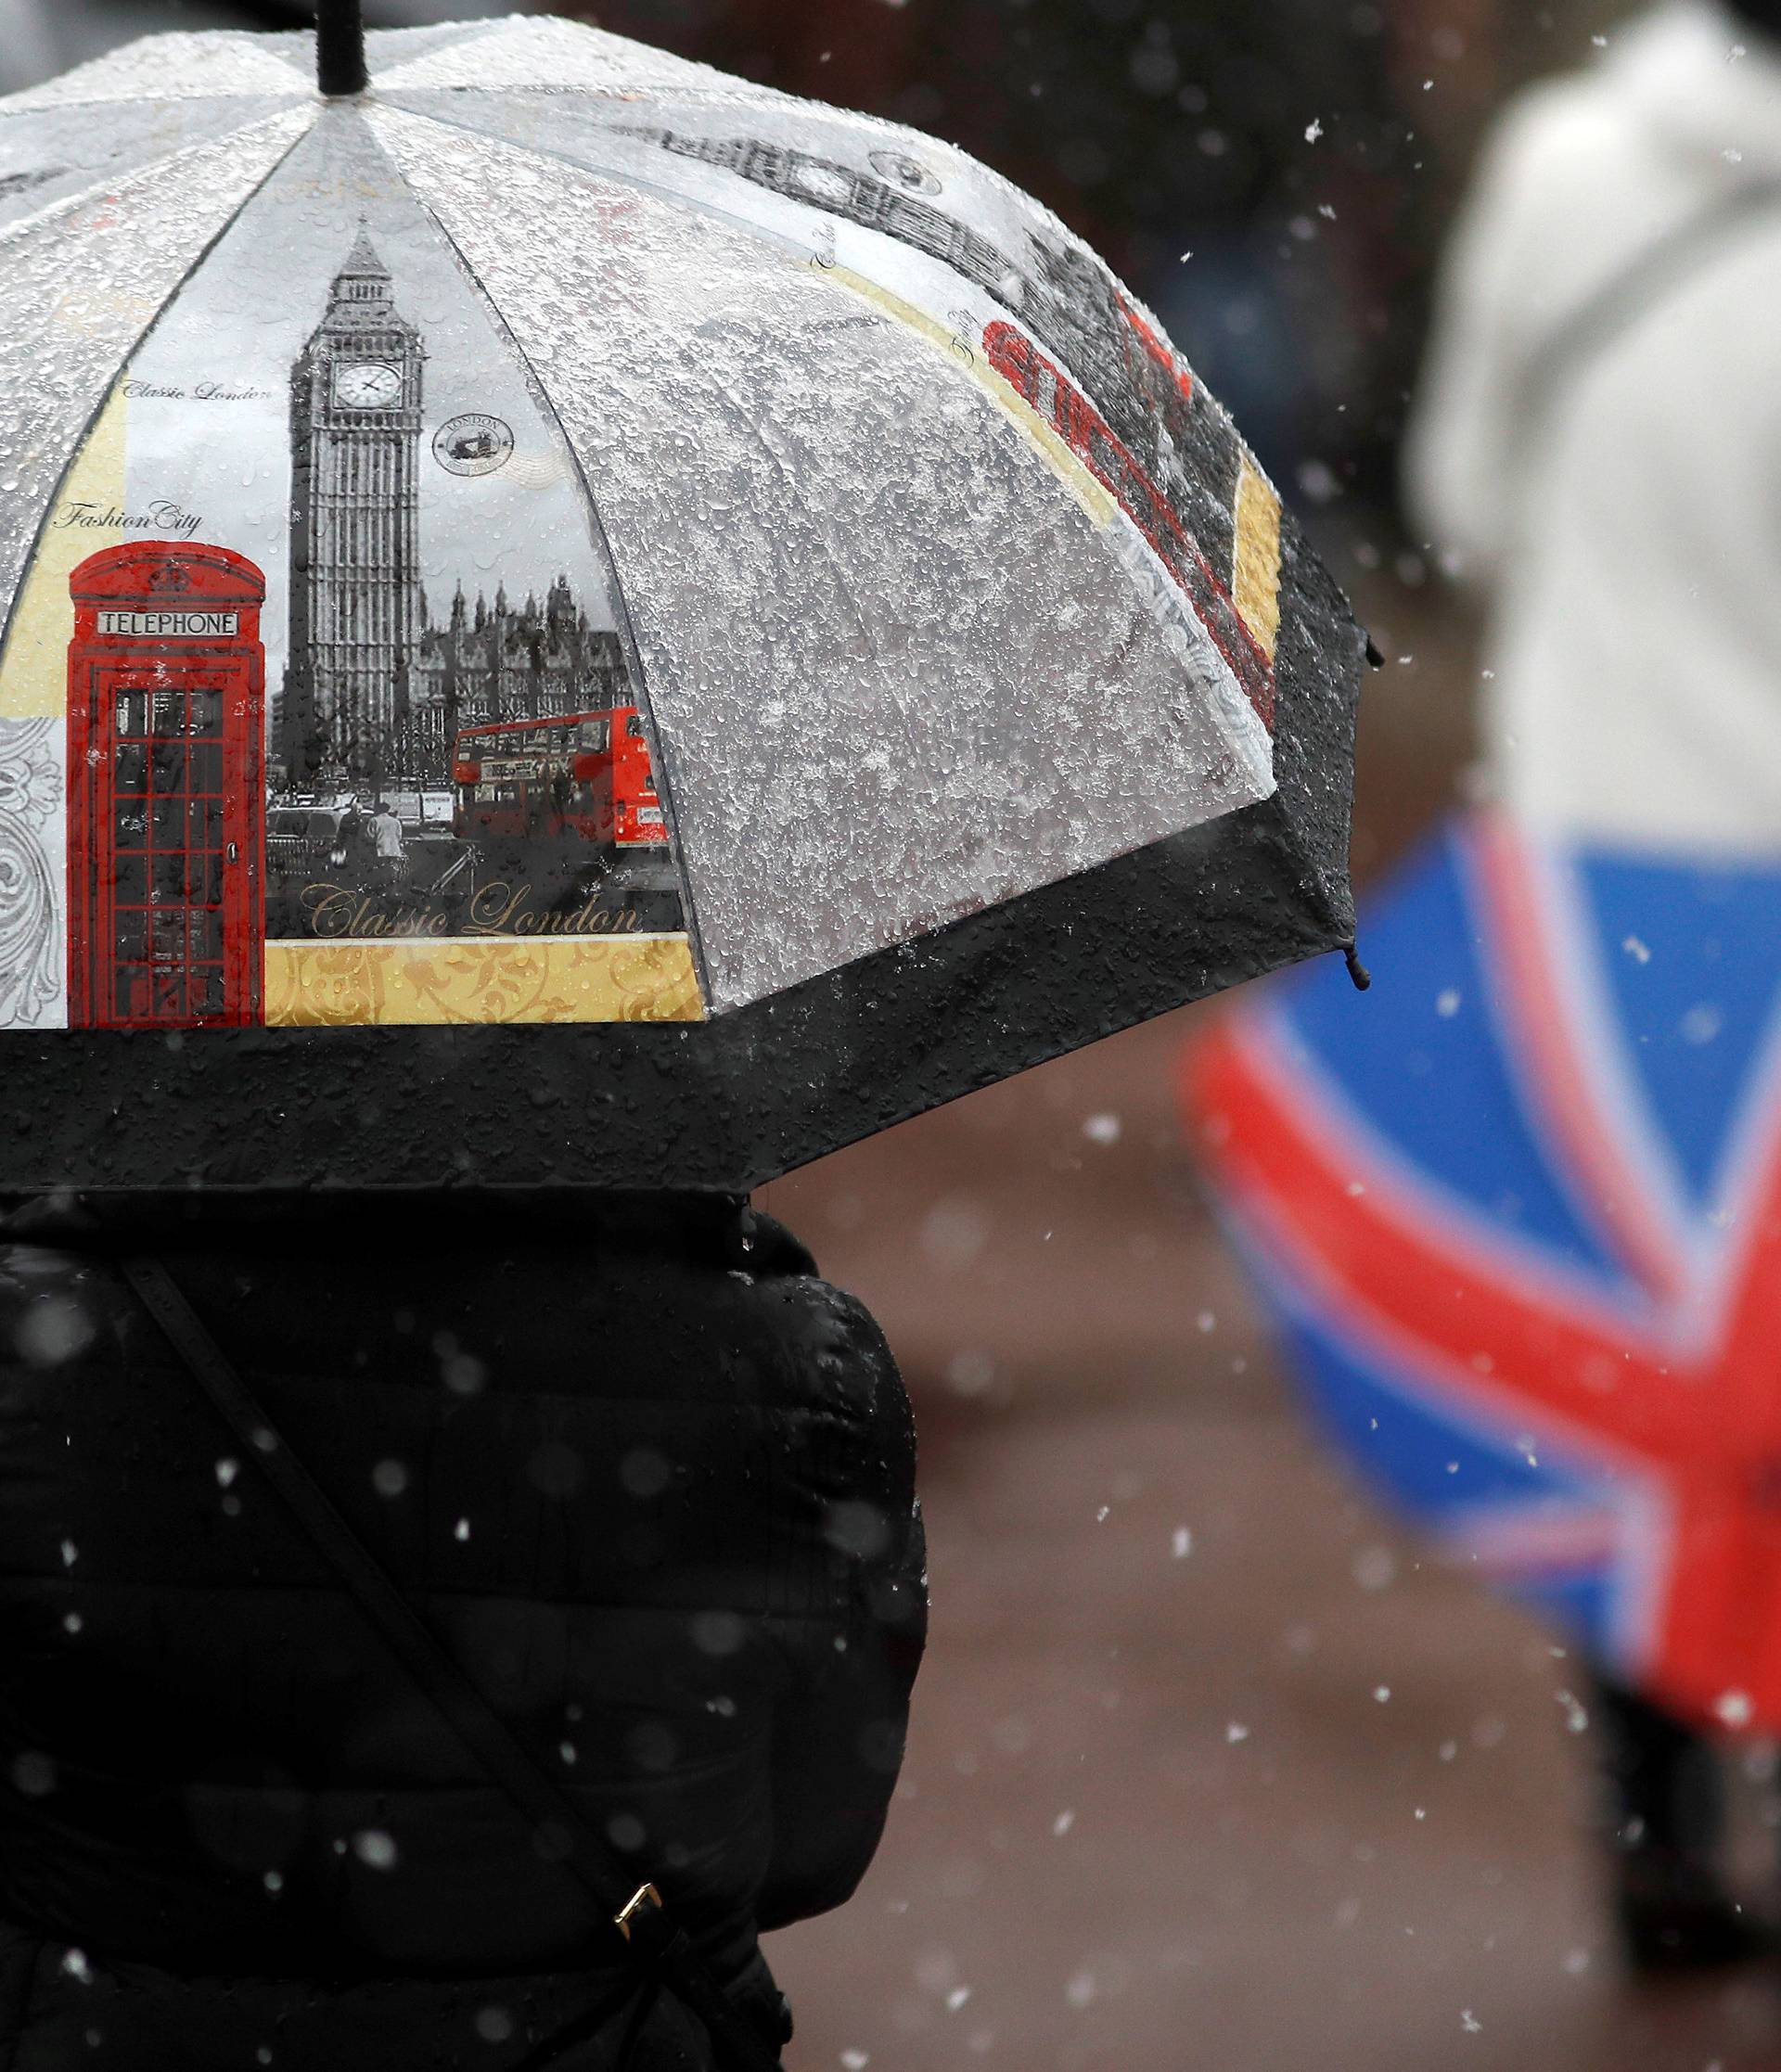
(1595, 447)
(1588, 445)
(1564, 1069)
(27, 51)
(387, 838)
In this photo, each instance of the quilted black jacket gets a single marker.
(650, 1479)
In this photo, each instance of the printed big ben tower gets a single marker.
(356, 609)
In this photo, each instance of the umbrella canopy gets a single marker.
(1521, 1221)
(570, 538)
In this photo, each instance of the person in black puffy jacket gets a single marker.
(647, 1477)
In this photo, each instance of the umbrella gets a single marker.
(572, 619)
(1521, 1226)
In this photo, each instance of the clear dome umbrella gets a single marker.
(568, 618)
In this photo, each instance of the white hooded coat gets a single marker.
(1622, 502)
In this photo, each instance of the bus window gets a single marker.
(634, 728)
(597, 735)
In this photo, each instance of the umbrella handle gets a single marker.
(339, 47)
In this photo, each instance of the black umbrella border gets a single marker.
(727, 1103)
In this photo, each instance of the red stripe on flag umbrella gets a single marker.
(1682, 1401)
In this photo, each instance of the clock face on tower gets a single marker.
(367, 385)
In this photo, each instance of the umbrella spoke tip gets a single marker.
(1357, 971)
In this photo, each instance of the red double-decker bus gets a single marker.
(583, 778)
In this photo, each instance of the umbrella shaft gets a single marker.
(339, 47)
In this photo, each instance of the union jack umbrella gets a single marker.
(1521, 1222)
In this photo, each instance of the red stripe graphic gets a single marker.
(1043, 384)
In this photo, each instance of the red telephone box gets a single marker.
(166, 788)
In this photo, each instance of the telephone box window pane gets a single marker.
(144, 994)
(169, 823)
(130, 935)
(207, 990)
(130, 881)
(168, 769)
(204, 823)
(205, 715)
(207, 871)
(207, 769)
(132, 824)
(207, 937)
(129, 767)
(169, 878)
(167, 934)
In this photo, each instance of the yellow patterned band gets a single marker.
(1044, 441)
(1256, 577)
(33, 667)
(361, 984)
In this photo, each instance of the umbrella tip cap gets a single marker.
(339, 48)
(1357, 971)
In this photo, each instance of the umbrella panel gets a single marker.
(405, 773)
(897, 671)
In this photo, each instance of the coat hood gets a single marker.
(1706, 87)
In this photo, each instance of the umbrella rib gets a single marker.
(706, 369)
(103, 185)
(603, 548)
(448, 35)
(622, 176)
(78, 445)
(32, 101)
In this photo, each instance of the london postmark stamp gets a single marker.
(475, 443)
